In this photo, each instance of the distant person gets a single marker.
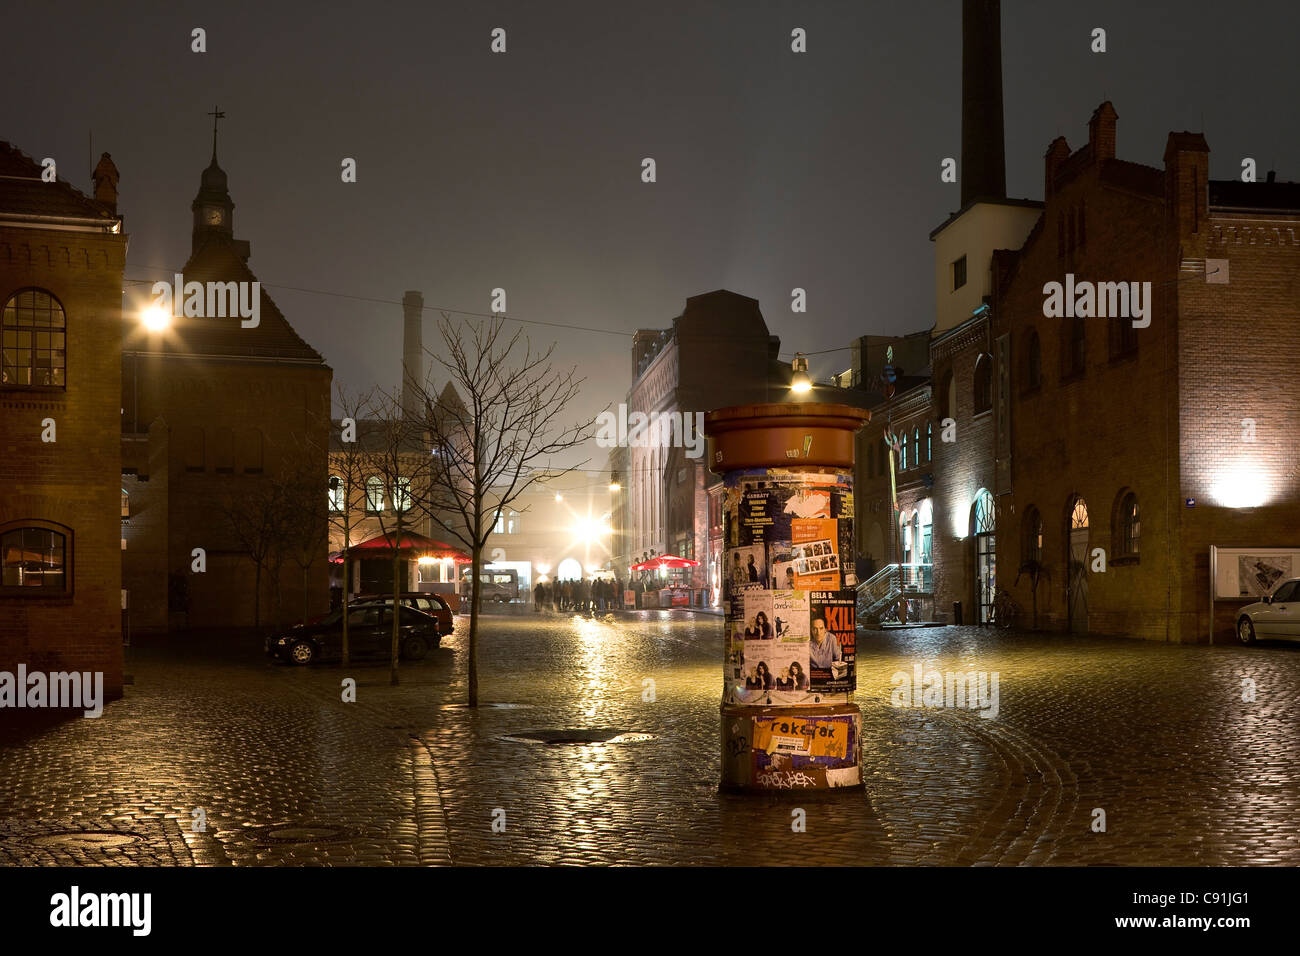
(539, 593)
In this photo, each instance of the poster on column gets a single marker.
(832, 645)
(787, 531)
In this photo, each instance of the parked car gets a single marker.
(370, 634)
(1277, 617)
(433, 604)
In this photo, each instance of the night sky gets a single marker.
(522, 169)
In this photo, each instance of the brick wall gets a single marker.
(74, 481)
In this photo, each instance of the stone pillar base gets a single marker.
(791, 749)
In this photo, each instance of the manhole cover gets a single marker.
(606, 735)
(299, 833)
(85, 839)
(486, 707)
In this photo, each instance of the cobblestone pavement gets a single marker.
(235, 739)
(1156, 736)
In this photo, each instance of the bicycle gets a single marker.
(1005, 610)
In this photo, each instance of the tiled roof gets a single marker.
(218, 260)
(23, 192)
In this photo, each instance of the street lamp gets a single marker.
(155, 318)
(800, 383)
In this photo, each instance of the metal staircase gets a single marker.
(879, 594)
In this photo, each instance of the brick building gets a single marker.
(218, 417)
(717, 353)
(61, 260)
(1128, 442)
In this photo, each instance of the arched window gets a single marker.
(929, 441)
(983, 383)
(1033, 529)
(1033, 360)
(126, 504)
(34, 340)
(1128, 526)
(1074, 347)
(916, 444)
(905, 534)
(927, 531)
(946, 397)
(916, 538)
(337, 494)
(402, 494)
(902, 452)
(35, 555)
(374, 494)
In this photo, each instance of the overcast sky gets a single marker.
(522, 170)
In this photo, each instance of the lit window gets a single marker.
(34, 340)
(916, 444)
(929, 441)
(126, 504)
(402, 495)
(374, 494)
(33, 557)
(336, 494)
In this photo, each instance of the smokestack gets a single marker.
(412, 353)
(983, 153)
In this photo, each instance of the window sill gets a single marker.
(34, 594)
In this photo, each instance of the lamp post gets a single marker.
(789, 596)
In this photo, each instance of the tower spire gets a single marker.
(216, 114)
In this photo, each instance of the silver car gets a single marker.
(1276, 617)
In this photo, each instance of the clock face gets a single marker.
(212, 217)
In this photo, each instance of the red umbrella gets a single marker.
(410, 542)
(665, 561)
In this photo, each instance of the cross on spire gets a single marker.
(216, 114)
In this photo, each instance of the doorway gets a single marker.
(984, 534)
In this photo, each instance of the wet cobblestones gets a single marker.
(1156, 736)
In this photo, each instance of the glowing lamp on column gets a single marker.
(800, 383)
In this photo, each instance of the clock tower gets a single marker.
(213, 208)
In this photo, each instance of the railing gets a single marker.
(889, 583)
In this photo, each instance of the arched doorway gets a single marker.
(1077, 565)
(983, 529)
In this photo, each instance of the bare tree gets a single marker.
(400, 473)
(305, 523)
(489, 447)
(348, 469)
(254, 518)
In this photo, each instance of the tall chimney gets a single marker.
(412, 354)
(983, 153)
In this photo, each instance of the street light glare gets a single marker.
(155, 318)
(800, 382)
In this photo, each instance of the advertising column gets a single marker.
(789, 595)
